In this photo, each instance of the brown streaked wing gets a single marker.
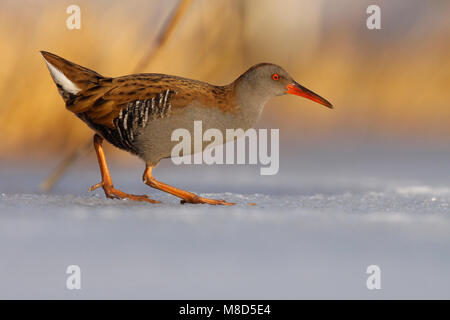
(103, 103)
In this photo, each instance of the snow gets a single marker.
(316, 228)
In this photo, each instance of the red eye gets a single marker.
(275, 76)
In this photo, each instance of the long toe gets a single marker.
(117, 194)
(207, 201)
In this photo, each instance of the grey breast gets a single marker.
(157, 141)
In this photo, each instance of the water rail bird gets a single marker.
(138, 113)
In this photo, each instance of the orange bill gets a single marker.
(299, 90)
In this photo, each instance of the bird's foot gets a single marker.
(113, 193)
(197, 199)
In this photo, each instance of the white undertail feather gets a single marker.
(62, 80)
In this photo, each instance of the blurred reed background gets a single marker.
(390, 85)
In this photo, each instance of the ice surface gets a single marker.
(318, 224)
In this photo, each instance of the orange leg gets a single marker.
(106, 183)
(187, 197)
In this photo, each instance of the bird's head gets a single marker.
(266, 79)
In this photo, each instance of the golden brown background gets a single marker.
(390, 85)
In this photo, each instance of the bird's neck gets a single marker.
(249, 102)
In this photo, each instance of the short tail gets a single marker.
(69, 77)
